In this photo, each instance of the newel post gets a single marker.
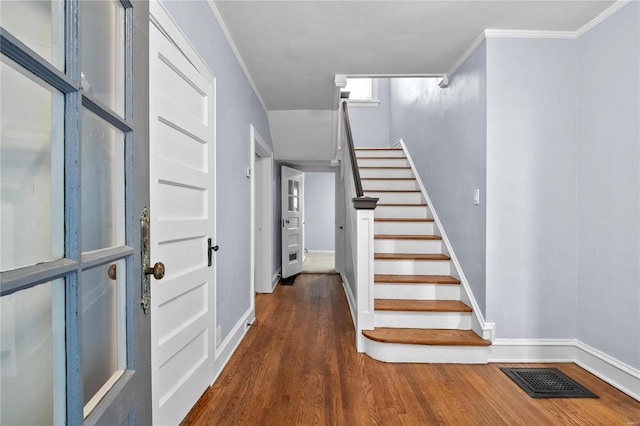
(365, 207)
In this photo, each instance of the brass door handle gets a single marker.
(157, 270)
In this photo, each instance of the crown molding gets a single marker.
(490, 33)
(567, 35)
(604, 15)
(465, 55)
(236, 52)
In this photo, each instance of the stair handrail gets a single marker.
(352, 151)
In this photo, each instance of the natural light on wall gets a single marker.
(361, 89)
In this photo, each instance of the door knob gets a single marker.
(157, 270)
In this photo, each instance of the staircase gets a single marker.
(419, 315)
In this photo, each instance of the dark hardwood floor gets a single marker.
(298, 366)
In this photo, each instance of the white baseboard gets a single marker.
(618, 374)
(532, 350)
(231, 342)
(350, 299)
(275, 279)
(320, 251)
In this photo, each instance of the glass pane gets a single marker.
(102, 180)
(38, 24)
(102, 321)
(31, 169)
(32, 356)
(293, 204)
(293, 187)
(102, 41)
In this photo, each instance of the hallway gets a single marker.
(298, 365)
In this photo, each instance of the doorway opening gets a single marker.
(319, 222)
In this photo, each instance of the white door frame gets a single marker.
(263, 184)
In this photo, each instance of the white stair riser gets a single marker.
(402, 211)
(408, 246)
(388, 184)
(416, 291)
(412, 267)
(379, 153)
(396, 197)
(383, 162)
(404, 228)
(386, 173)
(397, 352)
(447, 320)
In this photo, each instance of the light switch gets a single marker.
(476, 197)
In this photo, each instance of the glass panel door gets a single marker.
(70, 261)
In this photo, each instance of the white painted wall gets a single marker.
(608, 204)
(319, 211)
(304, 135)
(237, 107)
(445, 132)
(370, 126)
(531, 187)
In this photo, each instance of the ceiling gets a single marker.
(293, 49)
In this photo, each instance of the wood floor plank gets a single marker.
(297, 365)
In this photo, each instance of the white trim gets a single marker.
(532, 350)
(275, 279)
(478, 324)
(320, 251)
(350, 300)
(492, 33)
(571, 35)
(472, 47)
(236, 52)
(613, 371)
(616, 373)
(604, 15)
(231, 342)
(258, 146)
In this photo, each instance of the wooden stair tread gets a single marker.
(410, 256)
(415, 279)
(386, 178)
(407, 305)
(391, 190)
(386, 167)
(402, 219)
(420, 336)
(377, 148)
(406, 237)
(403, 204)
(380, 158)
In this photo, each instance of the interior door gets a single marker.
(182, 216)
(74, 337)
(292, 221)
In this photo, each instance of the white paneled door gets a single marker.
(182, 156)
(292, 221)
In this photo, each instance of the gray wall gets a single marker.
(319, 211)
(237, 107)
(609, 186)
(531, 187)
(445, 132)
(370, 126)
